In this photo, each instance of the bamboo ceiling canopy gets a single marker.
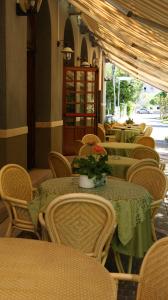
(133, 35)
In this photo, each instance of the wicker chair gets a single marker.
(107, 127)
(101, 133)
(83, 221)
(59, 165)
(102, 126)
(155, 181)
(145, 152)
(90, 138)
(142, 126)
(141, 163)
(16, 191)
(153, 276)
(146, 141)
(86, 150)
(148, 131)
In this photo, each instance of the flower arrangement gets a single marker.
(94, 165)
(129, 121)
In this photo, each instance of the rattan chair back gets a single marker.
(107, 127)
(16, 192)
(59, 165)
(101, 125)
(101, 134)
(141, 163)
(153, 277)
(148, 131)
(90, 138)
(142, 126)
(153, 179)
(15, 182)
(145, 152)
(87, 149)
(83, 221)
(146, 141)
(153, 273)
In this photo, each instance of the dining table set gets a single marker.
(119, 148)
(124, 133)
(131, 202)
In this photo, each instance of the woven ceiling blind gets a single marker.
(133, 35)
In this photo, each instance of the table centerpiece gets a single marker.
(92, 168)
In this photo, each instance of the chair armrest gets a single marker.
(41, 220)
(156, 203)
(44, 232)
(15, 202)
(125, 277)
(162, 165)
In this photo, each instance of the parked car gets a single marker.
(143, 111)
(109, 118)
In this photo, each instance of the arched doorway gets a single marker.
(84, 51)
(69, 41)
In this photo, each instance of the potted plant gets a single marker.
(129, 121)
(93, 168)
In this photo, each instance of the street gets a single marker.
(160, 130)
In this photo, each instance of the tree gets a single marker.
(129, 90)
(161, 99)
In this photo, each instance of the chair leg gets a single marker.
(165, 204)
(9, 230)
(153, 232)
(118, 262)
(130, 260)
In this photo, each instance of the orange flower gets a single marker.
(98, 149)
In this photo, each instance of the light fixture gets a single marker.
(67, 51)
(27, 7)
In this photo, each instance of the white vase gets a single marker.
(86, 182)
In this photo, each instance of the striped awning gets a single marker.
(133, 35)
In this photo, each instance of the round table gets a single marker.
(130, 201)
(120, 165)
(122, 149)
(32, 269)
(125, 134)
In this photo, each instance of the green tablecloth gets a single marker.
(120, 165)
(131, 203)
(125, 135)
(121, 149)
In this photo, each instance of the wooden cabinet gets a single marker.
(80, 105)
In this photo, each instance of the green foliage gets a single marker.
(129, 91)
(109, 97)
(161, 99)
(92, 165)
(129, 121)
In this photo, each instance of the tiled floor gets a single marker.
(127, 291)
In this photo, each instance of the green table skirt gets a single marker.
(141, 242)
